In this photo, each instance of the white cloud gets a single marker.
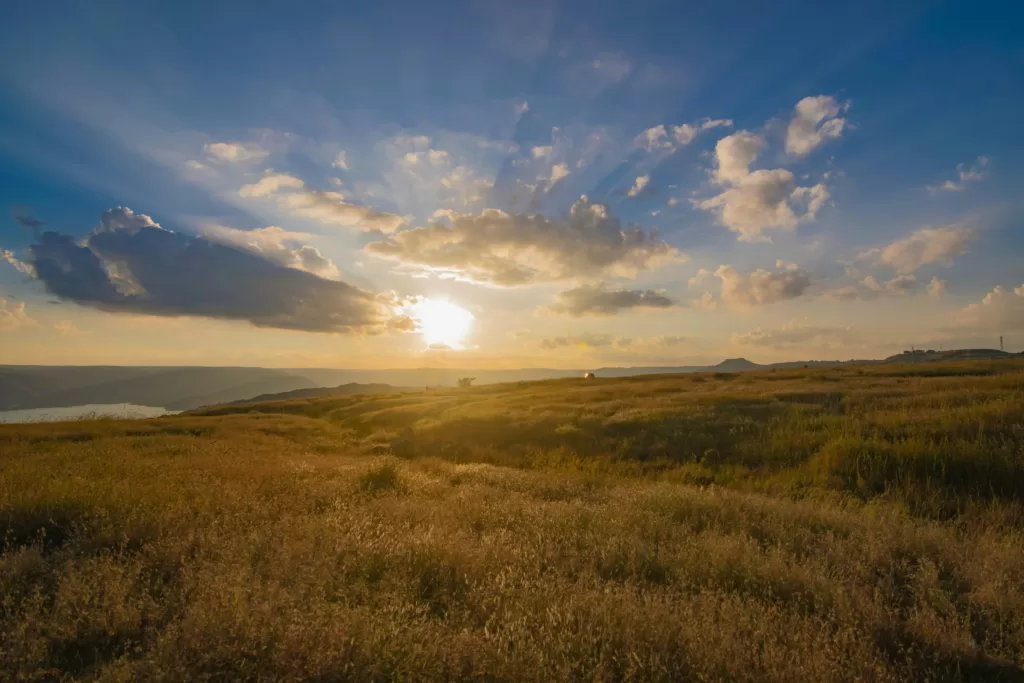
(965, 176)
(601, 299)
(612, 67)
(870, 288)
(754, 202)
(515, 249)
(796, 334)
(558, 171)
(761, 286)
(271, 184)
(673, 137)
(277, 244)
(924, 246)
(437, 156)
(542, 152)
(16, 263)
(341, 161)
(1000, 311)
(815, 121)
(13, 315)
(706, 301)
(638, 185)
(702, 276)
(937, 287)
(235, 152)
(329, 208)
(194, 165)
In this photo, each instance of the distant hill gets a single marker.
(185, 388)
(324, 392)
(928, 356)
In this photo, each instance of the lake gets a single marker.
(123, 411)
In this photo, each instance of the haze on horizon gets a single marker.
(504, 185)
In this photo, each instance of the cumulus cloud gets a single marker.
(235, 152)
(706, 301)
(558, 171)
(702, 276)
(27, 221)
(796, 334)
(329, 208)
(517, 249)
(672, 137)
(639, 185)
(270, 184)
(1001, 310)
(130, 264)
(815, 121)
(922, 247)
(937, 287)
(965, 176)
(602, 299)
(277, 244)
(542, 152)
(870, 288)
(13, 315)
(761, 286)
(341, 161)
(754, 202)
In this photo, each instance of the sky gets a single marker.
(494, 184)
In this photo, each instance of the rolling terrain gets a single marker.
(824, 524)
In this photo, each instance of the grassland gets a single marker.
(817, 525)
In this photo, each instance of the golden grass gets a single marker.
(826, 525)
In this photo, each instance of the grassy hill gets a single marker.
(849, 523)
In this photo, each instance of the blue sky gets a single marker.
(594, 183)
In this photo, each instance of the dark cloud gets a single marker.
(600, 299)
(130, 264)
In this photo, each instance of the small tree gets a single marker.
(466, 381)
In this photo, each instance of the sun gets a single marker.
(441, 323)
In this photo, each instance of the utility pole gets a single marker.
(1001, 343)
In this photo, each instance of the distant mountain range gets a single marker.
(184, 388)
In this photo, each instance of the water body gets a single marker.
(94, 411)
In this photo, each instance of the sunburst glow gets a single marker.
(442, 323)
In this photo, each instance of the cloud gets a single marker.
(922, 247)
(796, 334)
(815, 121)
(1000, 311)
(277, 244)
(27, 221)
(13, 315)
(235, 152)
(16, 263)
(270, 184)
(517, 249)
(130, 264)
(673, 137)
(558, 171)
(584, 340)
(870, 288)
(542, 152)
(965, 176)
(706, 301)
(601, 299)
(937, 287)
(328, 208)
(761, 287)
(760, 200)
(612, 67)
(341, 161)
(702, 276)
(638, 185)
(67, 328)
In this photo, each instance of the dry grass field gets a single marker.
(858, 523)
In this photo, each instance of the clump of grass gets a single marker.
(384, 477)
